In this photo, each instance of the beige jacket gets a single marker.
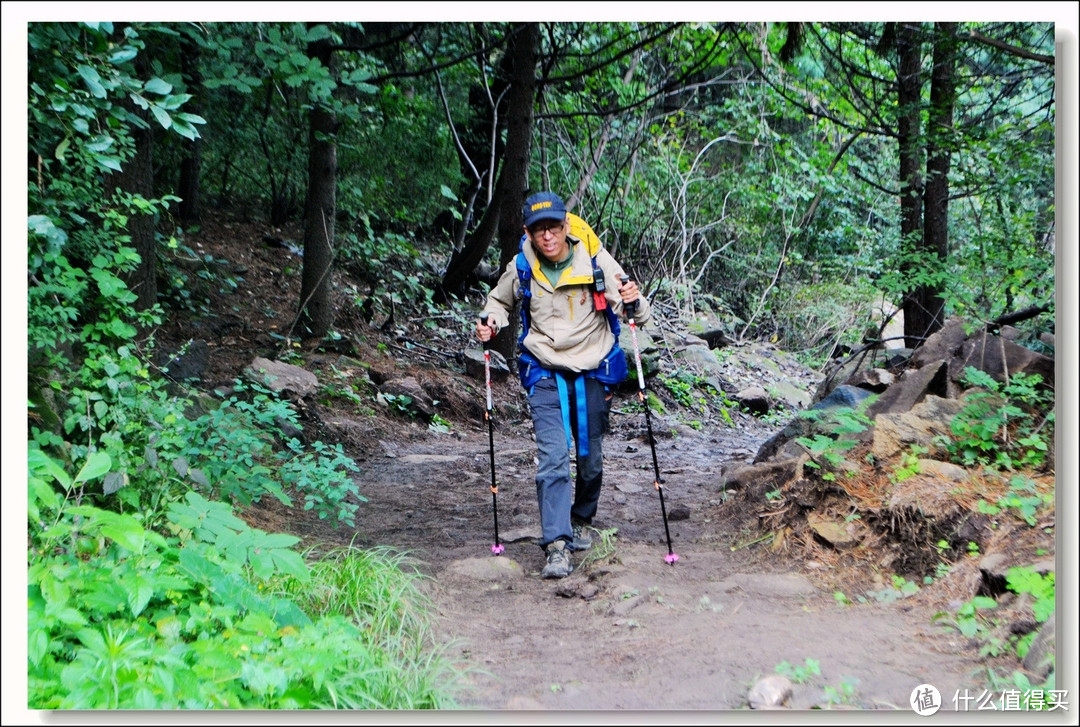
(565, 330)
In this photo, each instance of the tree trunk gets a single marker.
(137, 178)
(938, 160)
(514, 179)
(502, 215)
(190, 210)
(908, 128)
(320, 208)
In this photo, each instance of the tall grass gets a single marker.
(378, 589)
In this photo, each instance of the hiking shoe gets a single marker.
(582, 535)
(558, 561)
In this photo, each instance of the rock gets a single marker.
(282, 377)
(790, 394)
(945, 470)
(942, 345)
(836, 532)
(894, 434)
(912, 388)
(771, 692)
(678, 512)
(474, 364)
(186, 364)
(842, 396)
(1040, 657)
(1002, 359)
(410, 387)
(494, 569)
(875, 379)
(755, 399)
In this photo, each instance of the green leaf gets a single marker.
(124, 530)
(121, 329)
(101, 142)
(158, 86)
(123, 55)
(97, 464)
(162, 116)
(140, 590)
(291, 563)
(93, 81)
(42, 463)
(278, 540)
(109, 162)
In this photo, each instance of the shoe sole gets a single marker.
(551, 575)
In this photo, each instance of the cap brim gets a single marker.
(544, 215)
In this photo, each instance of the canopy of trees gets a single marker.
(740, 169)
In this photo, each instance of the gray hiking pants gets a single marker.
(553, 486)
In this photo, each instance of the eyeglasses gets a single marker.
(543, 227)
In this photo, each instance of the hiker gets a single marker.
(572, 293)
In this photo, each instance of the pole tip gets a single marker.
(497, 548)
(670, 558)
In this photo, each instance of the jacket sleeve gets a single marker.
(500, 301)
(613, 273)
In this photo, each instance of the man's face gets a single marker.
(549, 239)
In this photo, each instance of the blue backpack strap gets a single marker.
(524, 273)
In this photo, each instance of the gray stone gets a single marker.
(1040, 657)
(771, 692)
(894, 434)
(493, 569)
(474, 364)
(912, 388)
(411, 388)
(836, 532)
(282, 377)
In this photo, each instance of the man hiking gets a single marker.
(572, 293)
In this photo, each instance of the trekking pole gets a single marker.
(497, 547)
(630, 309)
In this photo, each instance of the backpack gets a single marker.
(612, 369)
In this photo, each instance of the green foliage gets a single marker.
(816, 317)
(973, 621)
(682, 386)
(1007, 426)
(604, 549)
(394, 166)
(799, 674)
(1023, 499)
(909, 463)
(1040, 586)
(900, 587)
(842, 694)
(189, 617)
(828, 448)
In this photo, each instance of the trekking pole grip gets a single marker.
(629, 308)
(484, 322)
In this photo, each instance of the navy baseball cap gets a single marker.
(543, 206)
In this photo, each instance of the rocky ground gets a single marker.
(745, 618)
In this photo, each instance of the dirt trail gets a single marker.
(627, 630)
